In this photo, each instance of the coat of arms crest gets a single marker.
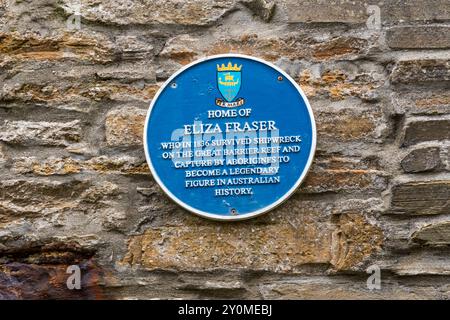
(229, 83)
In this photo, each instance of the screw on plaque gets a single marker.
(233, 212)
(173, 85)
(280, 78)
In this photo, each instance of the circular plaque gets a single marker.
(229, 137)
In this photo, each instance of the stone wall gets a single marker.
(75, 187)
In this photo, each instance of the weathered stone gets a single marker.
(2, 156)
(181, 48)
(430, 102)
(96, 193)
(37, 270)
(433, 234)
(339, 47)
(79, 46)
(31, 198)
(420, 198)
(426, 129)
(229, 286)
(171, 12)
(50, 166)
(338, 84)
(343, 175)
(274, 248)
(421, 71)
(78, 89)
(134, 47)
(40, 133)
(82, 148)
(354, 241)
(118, 164)
(122, 92)
(63, 166)
(262, 8)
(423, 159)
(415, 10)
(158, 210)
(349, 125)
(47, 250)
(128, 73)
(48, 281)
(295, 46)
(124, 127)
(419, 37)
(323, 11)
(167, 285)
(291, 45)
(429, 262)
(351, 288)
(343, 11)
(283, 245)
(446, 157)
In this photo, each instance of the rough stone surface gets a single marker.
(308, 238)
(185, 48)
(33, 198)
(421, 197)
(2, 156)
(336, 174)
(434, 234)
(431, 262)
(343, 11)
(423, 70)
(124, 127)
(320, 288)
(192, 12)
(64, 166)
(422, 37)
(430, 102)
(352, 125)
(41, 133)
(75, 187)
(426, 129)
(420, 160)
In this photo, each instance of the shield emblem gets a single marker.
(229, 81)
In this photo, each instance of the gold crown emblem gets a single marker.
(229, 67)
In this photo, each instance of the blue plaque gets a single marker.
(229, 137)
